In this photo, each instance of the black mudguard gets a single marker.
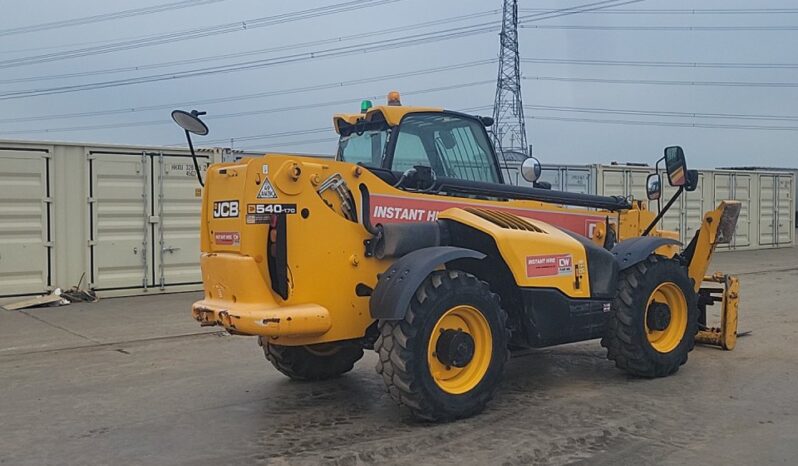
(635, 250)
(395, 288)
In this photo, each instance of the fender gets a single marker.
(398, 284)
(635, 250)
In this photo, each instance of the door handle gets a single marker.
(169, 249)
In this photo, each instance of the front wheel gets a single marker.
(654, 318)
(444, 359)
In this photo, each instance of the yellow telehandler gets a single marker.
(410, 243)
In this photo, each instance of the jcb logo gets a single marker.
(225, 209)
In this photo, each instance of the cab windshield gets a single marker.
(453, 145)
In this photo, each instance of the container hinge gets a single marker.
(154, 219)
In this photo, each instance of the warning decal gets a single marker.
(267, 190)
(549, 265)
(227, 238)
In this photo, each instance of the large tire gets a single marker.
(652, 346)
(447, 303)
(313, 362)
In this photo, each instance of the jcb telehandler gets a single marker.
(410, 243)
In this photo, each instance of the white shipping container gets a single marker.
(767, 199)
(571, 178)
(123, 219)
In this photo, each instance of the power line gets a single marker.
(665, 123)
(106, 17)
(666, 64)
(165, 121)
(194, 33)
(546, 15)
(731, 116)
(381, 32)
(258, 95)
(321, 140)
(663, 82)
(255, 137)
(662, 28)
(257, 64)
(303, 142)
(281, 134)
(684, 11)
(385, 44)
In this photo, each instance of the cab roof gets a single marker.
(392, 114)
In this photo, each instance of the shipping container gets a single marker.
(780, 170)
(122, 220)
(571, 178)
(768, 202)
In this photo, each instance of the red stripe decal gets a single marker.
(394, 209)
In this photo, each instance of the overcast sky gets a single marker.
(769, 102)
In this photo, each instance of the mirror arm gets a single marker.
(194, 157)
(663, 211)
(659, 199)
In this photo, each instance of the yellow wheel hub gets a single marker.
(666, 317)
(465, 328)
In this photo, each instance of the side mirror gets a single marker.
(692, 181)
(190, 121)
(486, 121)
(530, 169)
(675, 166)
(653, 187)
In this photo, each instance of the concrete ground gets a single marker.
(135, 381)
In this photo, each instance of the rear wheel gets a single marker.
(654, 318)
(445, 358)
(313, 362)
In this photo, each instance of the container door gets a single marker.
(736, 187)
(636, 184)
(577, 180)
(785, 228)
(551, 175)
(24, 222)
(742, 192)
(693, 211)
(613, 183)
(723, 192)
(767, 210)
(119, 205)
(178, 203)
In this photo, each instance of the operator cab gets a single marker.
(410, 147)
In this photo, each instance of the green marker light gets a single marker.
(365, 106)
